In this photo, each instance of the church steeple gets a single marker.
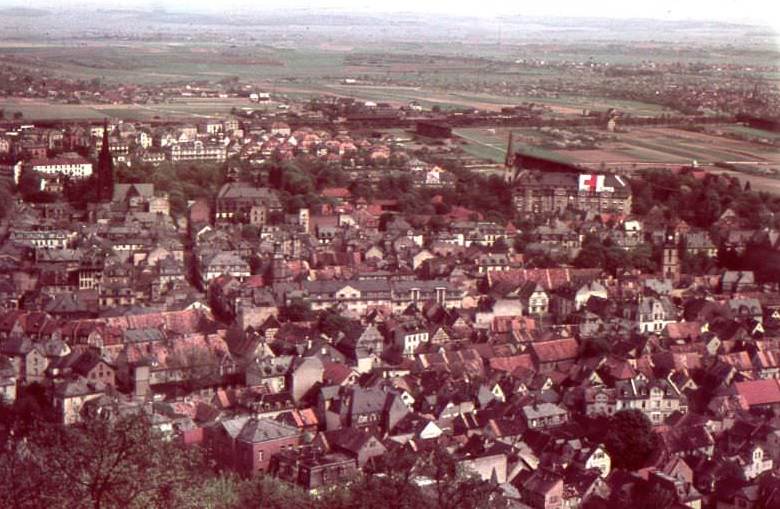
(105, 169)
(510, 161)
(510, 156)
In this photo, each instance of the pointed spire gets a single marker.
(105, 169)
(509, 161)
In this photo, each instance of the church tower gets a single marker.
(511, 162)
(279, 270)
(105, 169)
(670, 263)
(303, 220)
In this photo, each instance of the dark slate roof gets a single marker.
(365, 401)
(264, 430)
(78, 387)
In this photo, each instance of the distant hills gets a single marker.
(26, 12)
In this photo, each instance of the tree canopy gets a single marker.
(630, 439)
(104, 462)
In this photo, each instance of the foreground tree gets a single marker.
(105, 462)
(630, 439)
(456, 488)
(389, 482)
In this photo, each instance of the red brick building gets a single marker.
(260, 439)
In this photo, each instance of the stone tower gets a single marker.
(303, 220)
(670, 263)
(105, 169)
(280, 271)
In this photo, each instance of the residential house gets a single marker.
(235, 202)
(259, 440)
(70, 396)
(544, 415)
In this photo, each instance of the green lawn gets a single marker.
(680, 150)
(45, 112)
(749, 131)
(484, 144)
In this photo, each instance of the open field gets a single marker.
(153, 63)
(659, 144)
(491, 144)
(307, 71)
(637, 145)
(33, 109)
(40, 110)
(638, 148)
(749, 131)
(667, 147)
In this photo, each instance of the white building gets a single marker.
(70, 165)
(45, 239)
(196, 151)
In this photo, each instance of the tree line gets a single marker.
(117, 459)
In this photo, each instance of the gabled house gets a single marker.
(353, 442)
(408, 336)
(534, 298)
(28, 359)
(363, 345)
(544, 416)
(259, 440)
(7, 381)
(372, 410)
(70, 396)
(554, 354)
(223, 263)
(541, 489)
(652, 315)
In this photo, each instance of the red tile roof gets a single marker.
(511, 363)
(767, 360)
(675, 360)
(178, 322)
(740, 360)
(549, 279)
(619, 369)
(336, 192)
(254, 281)
(335, 372)
(759, 392)
(684, 330)
(459, 213)
(555, 350)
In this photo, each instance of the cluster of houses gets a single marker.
(305, 344)
(60, 152)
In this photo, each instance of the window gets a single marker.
(260, 456)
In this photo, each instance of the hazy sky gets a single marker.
(701, 9)
(761, 11)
